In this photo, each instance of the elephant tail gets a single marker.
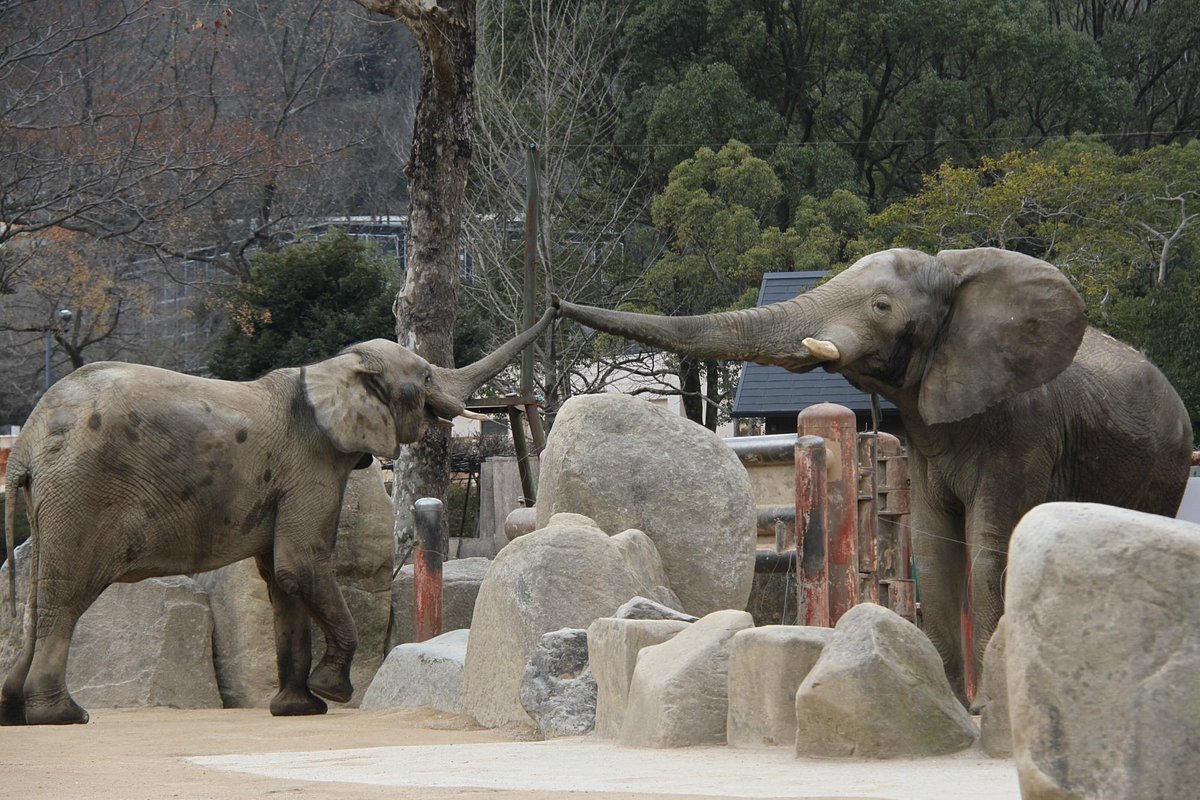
(16, 478)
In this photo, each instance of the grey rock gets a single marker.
(421, 675)
(1103, 653)
(995, 726)
(461, 579)
(613, 647)
(145, 644)
(678, 696)
(243, 635)
(630, 465)
(766, 667)
(645, 608)
(557, 689)
(879, 691)
(140, 644)
(562, 576)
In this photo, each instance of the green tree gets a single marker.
(716, 216)
(897, 87)
(305, 303)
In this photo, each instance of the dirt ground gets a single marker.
(129, 754)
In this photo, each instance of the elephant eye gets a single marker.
(883, 305)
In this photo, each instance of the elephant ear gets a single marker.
(1015, 322)
(356, 418)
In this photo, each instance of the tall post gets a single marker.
(836, 425)
(532, 226)
(427, 567)
(812, 560)
(47, 349)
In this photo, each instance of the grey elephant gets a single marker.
(1008, 398)
(130, 472)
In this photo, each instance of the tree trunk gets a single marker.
(437, 176)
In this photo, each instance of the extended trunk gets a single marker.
(773, 334)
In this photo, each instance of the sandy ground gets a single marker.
(242, 754)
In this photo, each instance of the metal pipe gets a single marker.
(427, 567)
(769, 562)
(777, 448)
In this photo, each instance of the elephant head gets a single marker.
(375, 396)
(945, 335)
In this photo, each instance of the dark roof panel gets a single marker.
(768, 391)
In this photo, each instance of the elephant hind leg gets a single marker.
(12, 695)
(59, 601)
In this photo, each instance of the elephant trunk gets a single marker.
(455, 386)
(773, 334)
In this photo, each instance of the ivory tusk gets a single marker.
(824, 350)
(473, 415)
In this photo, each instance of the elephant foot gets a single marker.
(60, 712)
(12, 712)
(330, 683)
(296, 703)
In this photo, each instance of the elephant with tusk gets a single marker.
(1008, 399)
(130, 472)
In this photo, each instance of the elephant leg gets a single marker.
(293, 651)
(307, 572)
(987, 549)
(937, 540)
(61, 601)
(12, 696)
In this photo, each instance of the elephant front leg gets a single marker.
(987, 548)
(304, 567)
(293, 651)
(939, 547)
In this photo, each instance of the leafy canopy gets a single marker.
(305, 303)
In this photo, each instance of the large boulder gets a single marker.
(421, 675)
(461, 578)
(766, 667)
(557, 689)
(145, 644)
(629, 464)
(1103, 661)
(140, 644)
(243, 635)
(562, 576)
(244, 638)
(613, 647)
(879, 691)
(678, 695)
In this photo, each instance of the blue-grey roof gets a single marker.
(769, 391)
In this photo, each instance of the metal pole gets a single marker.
(47, 338)
(532, 226)
(427, 567)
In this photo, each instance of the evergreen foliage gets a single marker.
(305, 303)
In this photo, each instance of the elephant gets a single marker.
(1008, 399)
(129, 472)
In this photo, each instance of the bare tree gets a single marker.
(547, 76)
(192, 131)
(437, 175)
